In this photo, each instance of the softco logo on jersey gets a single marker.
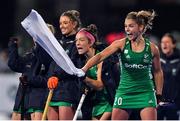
(135, 66)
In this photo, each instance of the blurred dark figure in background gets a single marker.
(29, 65)
(3, 61)
(170, 61)
(32, 91)
(19, 105)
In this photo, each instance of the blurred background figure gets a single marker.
(32, 83)
(3, 61)
(170, 61)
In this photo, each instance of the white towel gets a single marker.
(37, 28)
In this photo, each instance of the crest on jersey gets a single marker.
(146, 59)
(125, 51)
(128, 57)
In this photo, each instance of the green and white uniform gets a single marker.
(136, 87)
(100, 100)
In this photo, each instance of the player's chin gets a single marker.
(81, 52)
(64, 32)
(130, 37)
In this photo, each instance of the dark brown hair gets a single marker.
(74, 15)
(92, 28)
(170, 36)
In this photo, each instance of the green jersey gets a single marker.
(100, 100)
(136, 88)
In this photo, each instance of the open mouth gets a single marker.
(63, 30)
(164, 48)
(80, 49)
(129, 34)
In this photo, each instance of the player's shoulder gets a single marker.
(154, 48)
(120, 42)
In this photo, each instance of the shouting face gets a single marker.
(132, 29)
(167, 45)
(82, 43)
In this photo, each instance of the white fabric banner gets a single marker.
(37, 28)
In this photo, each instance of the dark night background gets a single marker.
(108, 15)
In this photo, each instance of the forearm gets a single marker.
(158, 77)
(102, 55)
(95, 84)
(93, 61)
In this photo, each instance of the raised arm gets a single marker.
(158, 73)
(16, 63)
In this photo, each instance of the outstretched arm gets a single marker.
(115, 46)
